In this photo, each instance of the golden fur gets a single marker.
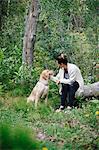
(41, 88)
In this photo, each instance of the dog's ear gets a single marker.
(45, 75)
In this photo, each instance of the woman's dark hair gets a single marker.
(62, 59)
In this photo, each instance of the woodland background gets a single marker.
(69, 26)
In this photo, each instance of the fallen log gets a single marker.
(90, 90)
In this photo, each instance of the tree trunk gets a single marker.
(91, 90)
(4, 8)
(30, 33)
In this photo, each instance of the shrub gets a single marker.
(17, 138)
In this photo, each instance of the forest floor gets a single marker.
(75, 129)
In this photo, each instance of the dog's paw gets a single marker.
(28, 100)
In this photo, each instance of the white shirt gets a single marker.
(74, 75)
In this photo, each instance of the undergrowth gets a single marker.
(68, 130)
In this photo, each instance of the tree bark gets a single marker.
(30, 33)
(4, 8)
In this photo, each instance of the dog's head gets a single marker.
(46, 74)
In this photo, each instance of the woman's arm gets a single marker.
(55, 78)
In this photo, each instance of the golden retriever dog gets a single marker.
(41, 88)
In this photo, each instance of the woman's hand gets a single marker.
(57, 82)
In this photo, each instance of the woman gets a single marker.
(71, 81)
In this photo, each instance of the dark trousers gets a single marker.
(68, 94)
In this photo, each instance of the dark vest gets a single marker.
(66, 75)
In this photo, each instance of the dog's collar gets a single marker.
(43, 82)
